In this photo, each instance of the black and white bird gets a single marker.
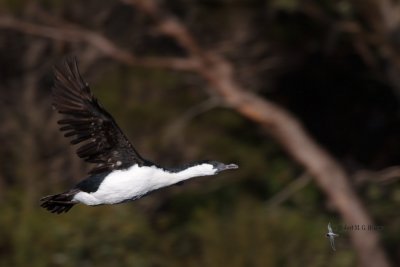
(331, 235)
(120, 174)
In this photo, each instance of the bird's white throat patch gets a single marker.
(122, 185)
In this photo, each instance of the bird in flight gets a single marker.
(121, 174)
(331, 235)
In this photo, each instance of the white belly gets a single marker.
(111, 194)
(133, 183)
(120, 186)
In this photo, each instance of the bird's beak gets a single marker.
(231, 166)
(227, 167)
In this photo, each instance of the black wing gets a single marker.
(89, 123)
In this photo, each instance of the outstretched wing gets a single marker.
(103, 142)
(332, 240)
(329, 228)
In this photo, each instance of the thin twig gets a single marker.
(177, 126)
(289, 190)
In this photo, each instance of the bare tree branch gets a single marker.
(179, 124)
(385, 176)
(73, 33)
(288, 191)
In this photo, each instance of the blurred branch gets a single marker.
(283, 126)
(379, 35)
(179, 124)
(385, 176)
(289, 190)
(73, 33)
(69, 34)
(390, 14)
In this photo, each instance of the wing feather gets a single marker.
(332, 240)
(87, 122)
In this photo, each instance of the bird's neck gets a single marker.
(194, 171)
(175, 175)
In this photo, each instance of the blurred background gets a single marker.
(335, 65)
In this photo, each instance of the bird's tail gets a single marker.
(59, 203)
